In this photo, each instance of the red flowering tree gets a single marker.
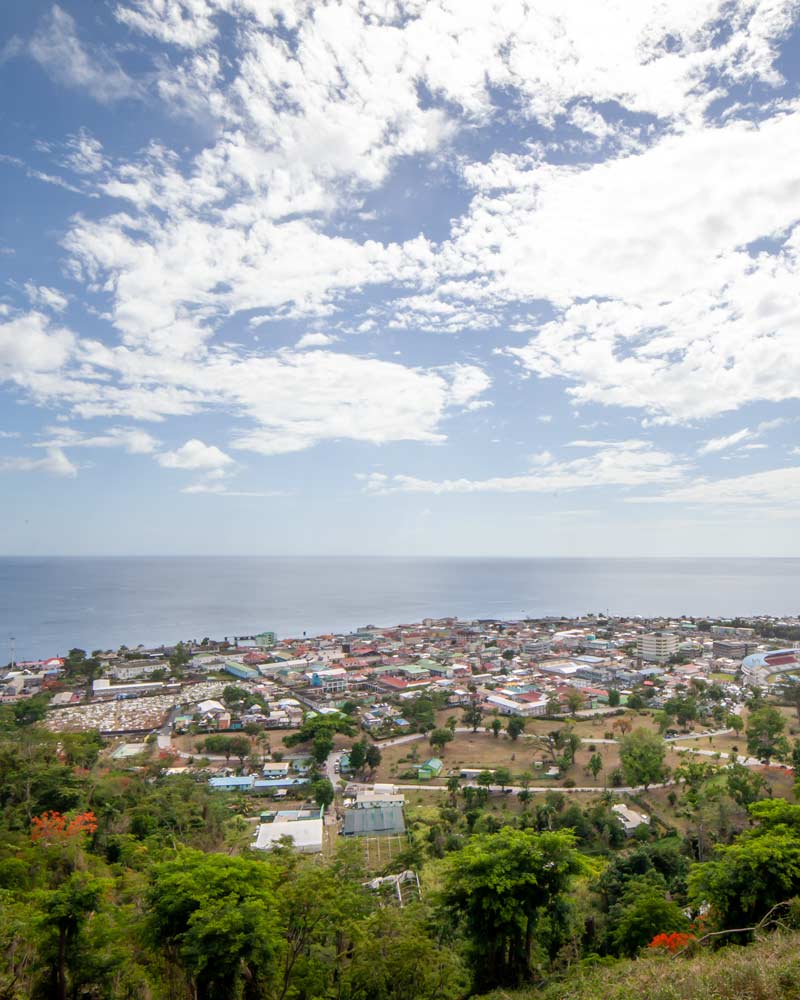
(53, 828)
(673, 942)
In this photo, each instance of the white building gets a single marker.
(657, 647)
(306, 832)
(630, 818)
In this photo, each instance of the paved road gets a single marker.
(698, 736)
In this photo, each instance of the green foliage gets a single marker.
(758, 870)
(323, 792)
(642, 912)
(218, 917)
(515, 727)
(641, 754)
(439, 739)
(495, 887)
(473, 715)
(765, 737)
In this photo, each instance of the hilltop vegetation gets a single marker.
(768, 969)
(120, 881)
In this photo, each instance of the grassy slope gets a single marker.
(766, 970)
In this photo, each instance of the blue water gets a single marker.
(50, 605)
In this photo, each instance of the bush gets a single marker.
(569, 783)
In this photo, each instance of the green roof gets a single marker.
(374, 820)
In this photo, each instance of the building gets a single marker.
(375, 821)
(732, 632)
(430, 769)
(303, 827)
(240, 670)
(733, 649)
(528, 706)
(332, 680)
(657, 647)
(630, 818)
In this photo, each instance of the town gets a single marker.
(354, 735)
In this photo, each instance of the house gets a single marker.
(631, 819)
(430, 769)
(276, 769)
(232, 783)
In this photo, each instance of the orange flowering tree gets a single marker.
(673, 942)
(53, 828)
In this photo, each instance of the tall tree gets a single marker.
(641, 754)
(765, 737)
(497, 885)
(218, 917)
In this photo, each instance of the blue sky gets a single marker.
(414, 277)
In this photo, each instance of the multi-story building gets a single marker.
(733, 649)
(657, 647)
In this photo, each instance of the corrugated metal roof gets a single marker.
(380, 819)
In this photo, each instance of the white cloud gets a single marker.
(779, 487)
(130, 439)
(621, 464)
(57, 48)
(54, 463)
(647, 266)
(195, 455)
(186, 23)
(84, 153)
(30, 343)
(220, 490)
(45, 298)
(314, 340)
(739, 437)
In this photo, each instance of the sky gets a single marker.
(409, 278)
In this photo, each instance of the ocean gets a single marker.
(52, 604)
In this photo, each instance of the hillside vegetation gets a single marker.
(768, 969)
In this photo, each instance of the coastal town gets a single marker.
(351, 735)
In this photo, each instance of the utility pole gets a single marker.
(13, 642)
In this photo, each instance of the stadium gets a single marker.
(760, 668)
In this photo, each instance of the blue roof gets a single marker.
(243, 782)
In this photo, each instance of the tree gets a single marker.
(180, 657)
(313, 725)
(453, 785)
(735, 722)
(643, 912)
(373, 757)
(515, 727)
(358, 756)
(496, 727)
(502, 777)
(662, 720)
(613, 698)
(473, 714)
(496, 886)
(323, 792)
(790, 690)
(452, 722)
(218, 917)
(760, 869)
(765, 737)
(66, 910)
(624, 725)
(642, 757)
(553, 706)
(439, 738)
(574, 701)
(744, 786)
(322, 746)
(595, 765)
